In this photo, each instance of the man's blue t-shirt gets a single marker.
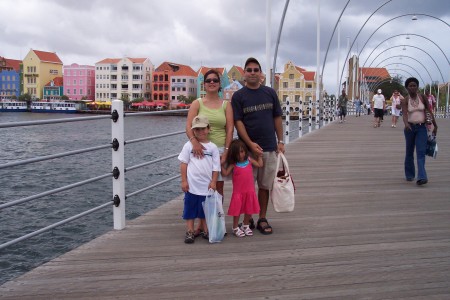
(257, 108)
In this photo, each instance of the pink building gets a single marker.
(79, 82)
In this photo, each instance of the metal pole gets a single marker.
(338, 50)
(268, 41)
(318, 67)
(345, 64)
(118, 164)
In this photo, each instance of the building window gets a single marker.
(297, 85)
(68, 91)
(291, 76)
(285, 85)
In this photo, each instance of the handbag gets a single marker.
(398, 106)
(215, 216)
(283, 189)
(432, 147)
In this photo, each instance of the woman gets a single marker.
(395, 107)
(414, 107)
(220, 116)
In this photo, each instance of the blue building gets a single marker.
(9, 78)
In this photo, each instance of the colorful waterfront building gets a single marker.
(39, 68)
(79, 82)
(299, 85)
(174, 82)
(224, 80)
(54, 89)
(123, 78)
(236, 73)
(9, 78)
(229, 90)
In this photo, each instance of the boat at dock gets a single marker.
(13, 106)
(54, 107)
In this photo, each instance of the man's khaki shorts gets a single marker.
(264, 176)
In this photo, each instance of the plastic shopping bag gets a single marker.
(215, 217)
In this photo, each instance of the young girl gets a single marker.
(244, 199)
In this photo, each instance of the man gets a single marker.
(342, 106)
(257, 117)
(379, 104)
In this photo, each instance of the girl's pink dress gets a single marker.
(243, 199)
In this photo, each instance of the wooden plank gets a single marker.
(359, 230)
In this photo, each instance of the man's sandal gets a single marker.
(238, 232)
(263, 228)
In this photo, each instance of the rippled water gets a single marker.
(23, 181)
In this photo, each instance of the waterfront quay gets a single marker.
(359, 231)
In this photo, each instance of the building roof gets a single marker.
(374, 72)
(175, 69)
(13, 64)
(109, 61)
(58, 81)
(50, 57)
(240, 69)
(204, 69)
(309, 75)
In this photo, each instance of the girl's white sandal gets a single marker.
(238, 232)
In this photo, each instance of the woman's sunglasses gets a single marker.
(209, 80)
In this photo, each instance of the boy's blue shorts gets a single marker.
(193, 206)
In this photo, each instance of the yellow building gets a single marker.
(39, 68)
(297, 84)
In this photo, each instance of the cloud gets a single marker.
(220, 33)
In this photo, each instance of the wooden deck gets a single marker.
(359, 231)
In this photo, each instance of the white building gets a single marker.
(126, 78)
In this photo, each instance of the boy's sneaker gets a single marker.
(189, 238)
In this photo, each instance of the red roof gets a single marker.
(176, 69)
(203, 70)
(58, 81)
(13, 64)
(109, 61)
(309, 75)
(48, 56)
(240, 69)
(374, 72)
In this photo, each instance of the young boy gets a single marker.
(198, 175)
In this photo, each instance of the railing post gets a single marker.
(300, 117)
(118, 163)
(310, 115)
(288, 118)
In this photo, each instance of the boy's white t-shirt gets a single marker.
(199, 171)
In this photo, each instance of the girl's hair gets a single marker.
(234, 151)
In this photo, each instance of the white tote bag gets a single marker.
(283, 187)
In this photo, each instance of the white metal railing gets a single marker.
(118, 172)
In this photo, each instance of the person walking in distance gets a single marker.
(396, 107)
(257, 117)
(342, 106)
(379, 104)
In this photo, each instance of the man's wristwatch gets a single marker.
(280, 142)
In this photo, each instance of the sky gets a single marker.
(219, 33)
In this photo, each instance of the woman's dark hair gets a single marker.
(215, 72)
(411, 79)
(234, 151)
